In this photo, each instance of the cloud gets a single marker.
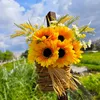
(3, 45)
(16, 44)
(88, 10)
(63, 7)
(12, 12)
(37, 9)
(57, 6)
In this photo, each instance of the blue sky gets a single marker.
(27, 3)
(20, 11)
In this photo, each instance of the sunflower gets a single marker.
(44, 53)
(64, 33)
(77, 48)
(66, 54)
(46, 33)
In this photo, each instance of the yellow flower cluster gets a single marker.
(54, 46)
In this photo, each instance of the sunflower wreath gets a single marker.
(54, 48)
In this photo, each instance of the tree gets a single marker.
(1, 56)
(97, 44)
(25, 54)
(8, 55)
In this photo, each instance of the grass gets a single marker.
(19, 83)
(91, 61)
(11, 65)
(92, 83)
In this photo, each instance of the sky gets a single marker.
(20, 11)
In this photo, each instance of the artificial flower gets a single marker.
(66, 54)
(84, 45)
(47, 32)
(89, 43)
(44, 53)
(64, 33)
(77, 48)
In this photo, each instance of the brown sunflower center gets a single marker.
(47, 52)
(60, 37)
(61, 53)
(46, 36)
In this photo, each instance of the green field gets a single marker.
(91, 61)
(18, 81)
(92, 83)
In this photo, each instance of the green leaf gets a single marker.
(71, 21)
(29, 22)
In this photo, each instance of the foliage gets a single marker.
(91, 61)
(10, 65)
(5, 56)
(97, 44)
(92, 83)
(19, 83)
(1, 56)
(25, 54)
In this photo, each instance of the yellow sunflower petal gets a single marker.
(48, 32)
(45, 53)
(66, 54)
(77, 48)
(64, 33)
